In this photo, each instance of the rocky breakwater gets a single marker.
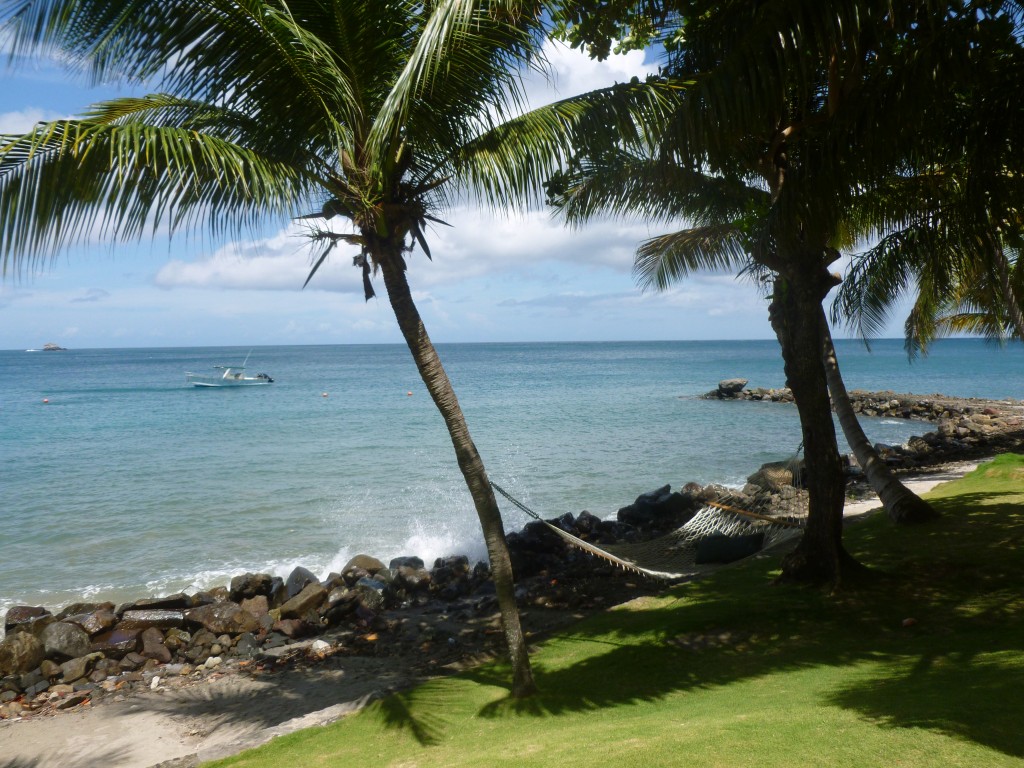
(965, 427)
(88, 653)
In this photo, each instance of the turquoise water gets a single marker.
(127, 482)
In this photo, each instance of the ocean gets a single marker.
(120, 481)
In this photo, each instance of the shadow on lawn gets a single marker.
(955, 670)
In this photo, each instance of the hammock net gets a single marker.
(685, 551)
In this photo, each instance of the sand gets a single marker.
(181, 727)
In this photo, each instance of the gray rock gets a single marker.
(76, 669)
(298, 579)
(63, 640)
(309, 599)
(731, 387)
(20, 652)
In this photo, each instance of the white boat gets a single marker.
(227, 376)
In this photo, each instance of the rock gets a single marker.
(153, 646)
(319, 647)
(117, 642)
(63, 640)
(20, 652)
(76, 669)
(250, 585)
(31, 618)
(369, 564)
(76, 609)
(176, 602)
(257, 605)
(49, 669)
(213, 662)
(96, 621)
(145, 618)
(309, 599)
(298, 579)
(405, 562)
(370, 594)
(247, 645)
(731, 387)
(221, 618)
(73, 700)
(293, 628)
(412, 579)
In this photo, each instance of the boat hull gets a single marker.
(229, 377)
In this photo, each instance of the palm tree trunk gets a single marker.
(438, 385)
(903, 505)
(820, 557)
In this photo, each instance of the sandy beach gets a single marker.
(175, 726)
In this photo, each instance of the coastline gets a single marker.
(181, 722)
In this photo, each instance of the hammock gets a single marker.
(677, 555)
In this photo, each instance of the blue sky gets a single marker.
(495, 276)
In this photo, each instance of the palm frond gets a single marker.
(661, 261)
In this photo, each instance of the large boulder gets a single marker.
(20, 652)
(659, 509)
(249, 585)
(309, 599)
(31, 618)
(729, 388)
(63, 640)
(223, 618)
(298, 579)
(94, 621)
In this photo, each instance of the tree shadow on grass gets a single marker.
(956, 578)
(972, 697)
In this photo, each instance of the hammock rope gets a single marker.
(674, 555)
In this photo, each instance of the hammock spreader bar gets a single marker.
(672, 556)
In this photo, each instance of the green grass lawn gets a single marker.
(924, 667)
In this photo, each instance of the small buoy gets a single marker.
(46, 400)
(409, 394)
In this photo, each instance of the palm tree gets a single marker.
(791, 110)
(367, 110)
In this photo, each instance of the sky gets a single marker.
(495, 275)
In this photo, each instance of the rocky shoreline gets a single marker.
(433, 619)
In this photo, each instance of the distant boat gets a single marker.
(227, 376)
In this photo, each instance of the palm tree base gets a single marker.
(911, 509)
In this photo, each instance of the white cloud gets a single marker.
(573, 72)
(22, 121)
